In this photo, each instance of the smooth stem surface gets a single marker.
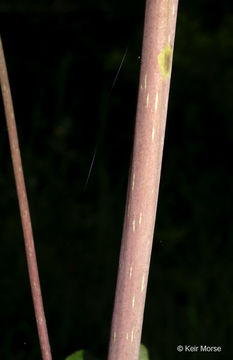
(24, 210)
(143, 187)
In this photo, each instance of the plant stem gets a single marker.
(24, 210)
(143, 187)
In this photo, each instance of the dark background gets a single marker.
(62, 57)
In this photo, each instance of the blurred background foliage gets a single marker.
(62, 58)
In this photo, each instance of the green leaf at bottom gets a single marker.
(144, 354)
(85, 355)
(80, 355)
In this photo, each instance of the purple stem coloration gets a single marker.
(143, 187)
(24, 210)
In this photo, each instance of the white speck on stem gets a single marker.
(114, 336)
(173, 10)
(142, 284)
(147, 100)
(156, 101)
(133, 182)
(132, 334)
(130, 272)
(133, 223)
(153, 134)
(169, 38)
(140, 219)
(145, 81)
(127, 336)
(133, 301)
(162, 139)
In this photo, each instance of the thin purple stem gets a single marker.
(24, 210)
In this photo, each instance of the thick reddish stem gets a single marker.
(24, 210)
(143, 187)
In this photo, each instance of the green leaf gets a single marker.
(144, 354)
(85, 355)
(80, 355)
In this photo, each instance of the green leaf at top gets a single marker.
(144, 354)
